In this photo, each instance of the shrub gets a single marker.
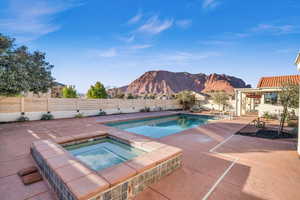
(22, 118)
(267, 115)
(220, 98)
(186, 99)
(292, 123)
(101, 113)
(97, 91)
(146, 109)
(69, 92)
(79, 115)
(47, 116)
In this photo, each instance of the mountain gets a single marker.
(165, 82)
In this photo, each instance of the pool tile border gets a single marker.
(121, 181)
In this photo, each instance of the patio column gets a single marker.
(238, 102)
(297, 63)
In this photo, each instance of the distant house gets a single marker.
(264, 98)
(56, 90)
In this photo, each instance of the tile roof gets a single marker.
(277, 81)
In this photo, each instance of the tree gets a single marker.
(186, 98)
(97, 91)
(221, 99)
(69, 92)
(22, 71)
(289, 98)
(130, 96)
(116, 93)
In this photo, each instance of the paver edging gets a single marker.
(130, 184)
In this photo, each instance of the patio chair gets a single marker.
(259, 123)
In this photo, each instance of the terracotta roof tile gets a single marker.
(277, 81)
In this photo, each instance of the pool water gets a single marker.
(162, 126)
(103, 153)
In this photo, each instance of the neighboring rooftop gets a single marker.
(58, 84)
(277, 81)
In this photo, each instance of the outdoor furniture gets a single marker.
(259, 123)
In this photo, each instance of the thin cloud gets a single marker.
(136, 18)
(183, 56)
(210, 4)
(216, 42)
(112, 52)
(32, 19)
(185, 23)
(142, 46)
(276, 29)
(127, 39)
(155, 26)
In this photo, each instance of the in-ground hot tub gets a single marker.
(99, 154)
(103, 166)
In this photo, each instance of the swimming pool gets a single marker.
(162, 126)
(103, 153)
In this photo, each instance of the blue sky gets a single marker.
(116, 41)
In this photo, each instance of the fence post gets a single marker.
(22, 104)
(47, 105)
(77, 104)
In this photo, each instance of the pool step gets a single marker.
(30, 175)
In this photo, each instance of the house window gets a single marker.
(271, 98)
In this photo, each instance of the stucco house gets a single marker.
(54, 92)
(297, 63)
(264, 98)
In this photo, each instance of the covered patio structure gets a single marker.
(252, 101)
(264, 98)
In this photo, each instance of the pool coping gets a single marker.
(82, 184)
(114, 129)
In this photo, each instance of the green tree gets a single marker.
(22, 71)
(186, 98)
(289, 98)
(69, 92)
(97, 91)
(220, 98)
(130, 96)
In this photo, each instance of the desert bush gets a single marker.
(266, 115)
(47, 116)
(79, 115)
(146, 109)
(22, 118)
(101, 113)
(187, 99)
(292, 123)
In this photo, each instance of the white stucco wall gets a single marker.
(33, 108)
(272, 109)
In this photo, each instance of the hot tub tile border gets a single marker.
(159, 165)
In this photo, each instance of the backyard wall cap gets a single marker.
(85, 183)
(117, 174)
(141, 163)
(72, 171)
(163, 154)
(87, 186)
(73, 138)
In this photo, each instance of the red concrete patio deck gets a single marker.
(216, 164)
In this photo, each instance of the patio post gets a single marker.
(297, 63)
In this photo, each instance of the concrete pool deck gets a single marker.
(216, 165)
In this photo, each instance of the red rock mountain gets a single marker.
(165, 82)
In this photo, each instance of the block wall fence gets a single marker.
(11, 108)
